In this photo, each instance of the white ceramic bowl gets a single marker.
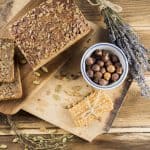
(113, 49)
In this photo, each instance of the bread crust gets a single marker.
(12, 91)
(6, 60)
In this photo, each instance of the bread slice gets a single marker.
(11, 91)
(91, 108)
(49, 29)
(6, 60)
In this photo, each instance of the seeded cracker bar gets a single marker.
(10, 91)
(91, 108)
(6, 60)
(49, 29)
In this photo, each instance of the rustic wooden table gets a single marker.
(130, 129)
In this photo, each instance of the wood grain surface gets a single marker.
(133, 117)
(126, 141)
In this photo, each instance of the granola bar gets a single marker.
(91, 108)
(6, 60)
(49, 29)
(10, 91)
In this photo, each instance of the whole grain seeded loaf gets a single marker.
(11, 91)
(49, 29)
(6, 60)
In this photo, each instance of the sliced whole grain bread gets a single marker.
(11, 91)
(6, 60)
(49, 29)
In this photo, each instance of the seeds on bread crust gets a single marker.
(11, 91)
(6, 60)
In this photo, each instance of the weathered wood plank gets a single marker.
(115, 142)
(135, 12)
(7, 140)
(33, 131)
(135, 110)
(144, 35)
(130, 141)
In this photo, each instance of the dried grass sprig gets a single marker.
(32, 142)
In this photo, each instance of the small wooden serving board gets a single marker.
(48, 103)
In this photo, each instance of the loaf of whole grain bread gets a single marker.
(49, 29)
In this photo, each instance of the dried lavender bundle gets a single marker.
(121, 34)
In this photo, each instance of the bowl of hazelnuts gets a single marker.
(104, 66)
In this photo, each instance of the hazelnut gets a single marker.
(114, 58)
(118, 64)
(98, 52)
(103, 70)
(105, 53)
(108, 63)
(107, 76)
(111, 68)
(90, 61)
(90, 73)
(100, 63)
(115, 77)
(98, 75)
(105, 58)
(96, 67)
(103, 82)
(119, 70)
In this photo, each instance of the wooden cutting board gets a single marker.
(46, 102)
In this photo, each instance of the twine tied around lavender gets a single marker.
(122, 35)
